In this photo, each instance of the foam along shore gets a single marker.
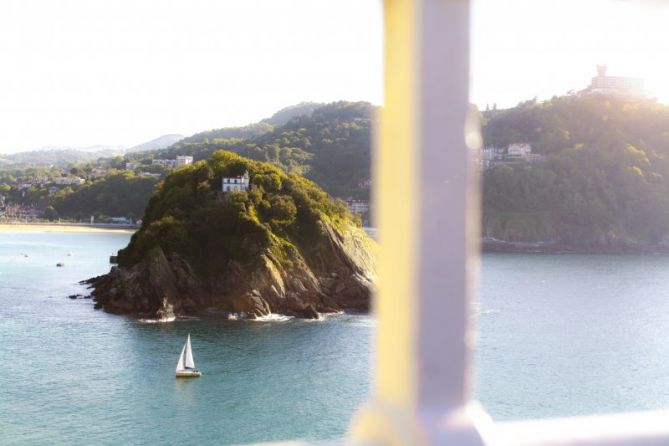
(64, 227)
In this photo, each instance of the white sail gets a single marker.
(180, 362)
(188, 362)
(186, 365)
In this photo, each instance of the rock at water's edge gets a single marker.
(340, 276)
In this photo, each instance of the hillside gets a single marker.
(604, 181)
(286, 114)
(283, 246)
(120, 193)
(158, 143)
(58, 157)
(330, 145)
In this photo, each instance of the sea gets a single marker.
(558, 335)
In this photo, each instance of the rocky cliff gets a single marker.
(280, 247)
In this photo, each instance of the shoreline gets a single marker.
(17, 226)
(558, 248)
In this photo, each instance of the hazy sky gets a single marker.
(121, 72)
(527, 48)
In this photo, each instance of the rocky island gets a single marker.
(240, 237)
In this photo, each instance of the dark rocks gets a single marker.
(335, 274)
(308, 312)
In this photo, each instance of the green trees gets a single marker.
(604, 181)
(328, 144)
(120, 194)
(50, 213)
(189, 215)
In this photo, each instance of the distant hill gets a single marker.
(212, 136)
(59, 157)
(329, 144)
(603, 180)
(156, 144)
(286, 114)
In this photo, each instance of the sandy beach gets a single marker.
(60, 227)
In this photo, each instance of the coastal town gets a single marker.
(26, 196)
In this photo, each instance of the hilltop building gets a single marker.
(357, 206)
(183, 160)
(230, 184)
(518, 150)
(603, 84)
(68, 181)
(489, 156)
(180, 161)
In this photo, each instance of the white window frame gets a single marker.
(428, 229)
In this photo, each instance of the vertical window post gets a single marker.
(427, 228)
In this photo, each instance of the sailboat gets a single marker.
(186, 365)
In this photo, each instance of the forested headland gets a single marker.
(603, 181)
(329, 144)
(280, 245)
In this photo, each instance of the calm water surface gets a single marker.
(559, 335)
(72, 375)
(567, 335)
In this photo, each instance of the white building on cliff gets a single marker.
(183, 160)
(236, 183)
(518, 150)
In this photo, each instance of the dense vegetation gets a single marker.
(330, 145)
(279, 215)
(118, 194)
(54, 157)
(604, 180)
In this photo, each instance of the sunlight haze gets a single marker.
(82, 73)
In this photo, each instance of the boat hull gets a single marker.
(188, 373)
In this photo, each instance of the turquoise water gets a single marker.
(558, 335)
(72, 375)
(564, 335)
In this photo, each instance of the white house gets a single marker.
(358, 206)
(518, 150)
(184, 161)
(131, 165)
(236, 183)
(68, 181)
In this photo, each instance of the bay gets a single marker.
(558, 335)
(74, 375)
(565, 335)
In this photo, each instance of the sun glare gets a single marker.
(523, 48)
